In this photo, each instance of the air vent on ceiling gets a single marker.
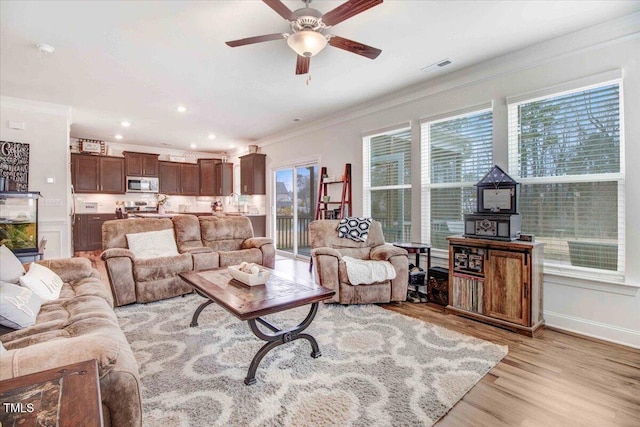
(433, 67)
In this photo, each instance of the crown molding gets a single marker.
(36, 106)
(597, 37)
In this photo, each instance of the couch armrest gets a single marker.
(386, 251)
(119, 265)
(117, 252)
(267, 248)
(69, 269)
(256, 242)
(326, 251)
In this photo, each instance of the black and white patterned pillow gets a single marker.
(354, 228)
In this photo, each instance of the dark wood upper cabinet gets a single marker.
(207, 176)
(253, 174)
(169, 177)
(189, 179)
(85, 173)
(179, 178)
(223, 179)
(97, 174)
(141, 164)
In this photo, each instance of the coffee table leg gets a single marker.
(194, 319)
(278, 338)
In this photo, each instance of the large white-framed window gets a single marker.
(566, 150)
(456, 152)
(387, 181)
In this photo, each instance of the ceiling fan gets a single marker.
(308, 25)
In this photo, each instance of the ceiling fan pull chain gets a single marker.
(308, 79)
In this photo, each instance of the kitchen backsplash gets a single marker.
(106, 203)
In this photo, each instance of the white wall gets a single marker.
(46, 130)
(609, 311)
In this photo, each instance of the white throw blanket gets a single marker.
(368, 271)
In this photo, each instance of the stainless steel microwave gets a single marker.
(136, 184)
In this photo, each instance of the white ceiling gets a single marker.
(138, 60)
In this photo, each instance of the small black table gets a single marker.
(417, 249)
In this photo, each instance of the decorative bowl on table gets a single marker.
(250, 274)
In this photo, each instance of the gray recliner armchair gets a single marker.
(328, 250)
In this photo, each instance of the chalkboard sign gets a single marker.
(14, 165)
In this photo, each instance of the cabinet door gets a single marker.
(224, 179)
(85, 173)
(507, 286)
(169, 177)
(207, 176)
(252, 174)
(112, 175)
(94, 230)
(79, 233)
(189, 179)
(141, 164)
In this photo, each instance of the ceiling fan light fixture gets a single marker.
(307, 43)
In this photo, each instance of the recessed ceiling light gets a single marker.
(232, 145)
(125, 124)
(118, 137)
(181, 108)
(45, 48)
(212, 136)
(193, 145)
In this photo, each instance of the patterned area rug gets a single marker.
(377, 368)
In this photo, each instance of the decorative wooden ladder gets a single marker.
(344, 204)
(323, 191)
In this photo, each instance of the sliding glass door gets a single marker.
(296, 190)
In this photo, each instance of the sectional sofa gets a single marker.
(200, 243)
(79, 325)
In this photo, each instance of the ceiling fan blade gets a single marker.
(302, 64)
(354, 47)
(347, 10)
(256, 39)
(281, 9)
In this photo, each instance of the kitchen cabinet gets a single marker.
(189, 179)
(97, 174)
(497, 282)
(179, 178)
(141, 164)
(223, 179)
(169, 177)
(208, 176)
(252, 174)
(87, 231)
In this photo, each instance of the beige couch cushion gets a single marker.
(146, 270)
(114, 232)
(225, 233)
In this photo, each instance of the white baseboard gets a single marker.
(603, 331)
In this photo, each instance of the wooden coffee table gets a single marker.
(250, 303)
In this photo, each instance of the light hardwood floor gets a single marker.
(554, 379)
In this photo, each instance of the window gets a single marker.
(387, 182)
(567, 152)
(456, 154)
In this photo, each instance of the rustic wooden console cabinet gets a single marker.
(497, 282)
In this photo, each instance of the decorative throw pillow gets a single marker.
(19, 306)
(44, 282)
(2, 349)
(354, 228)
(10, 266)
(153, 244)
